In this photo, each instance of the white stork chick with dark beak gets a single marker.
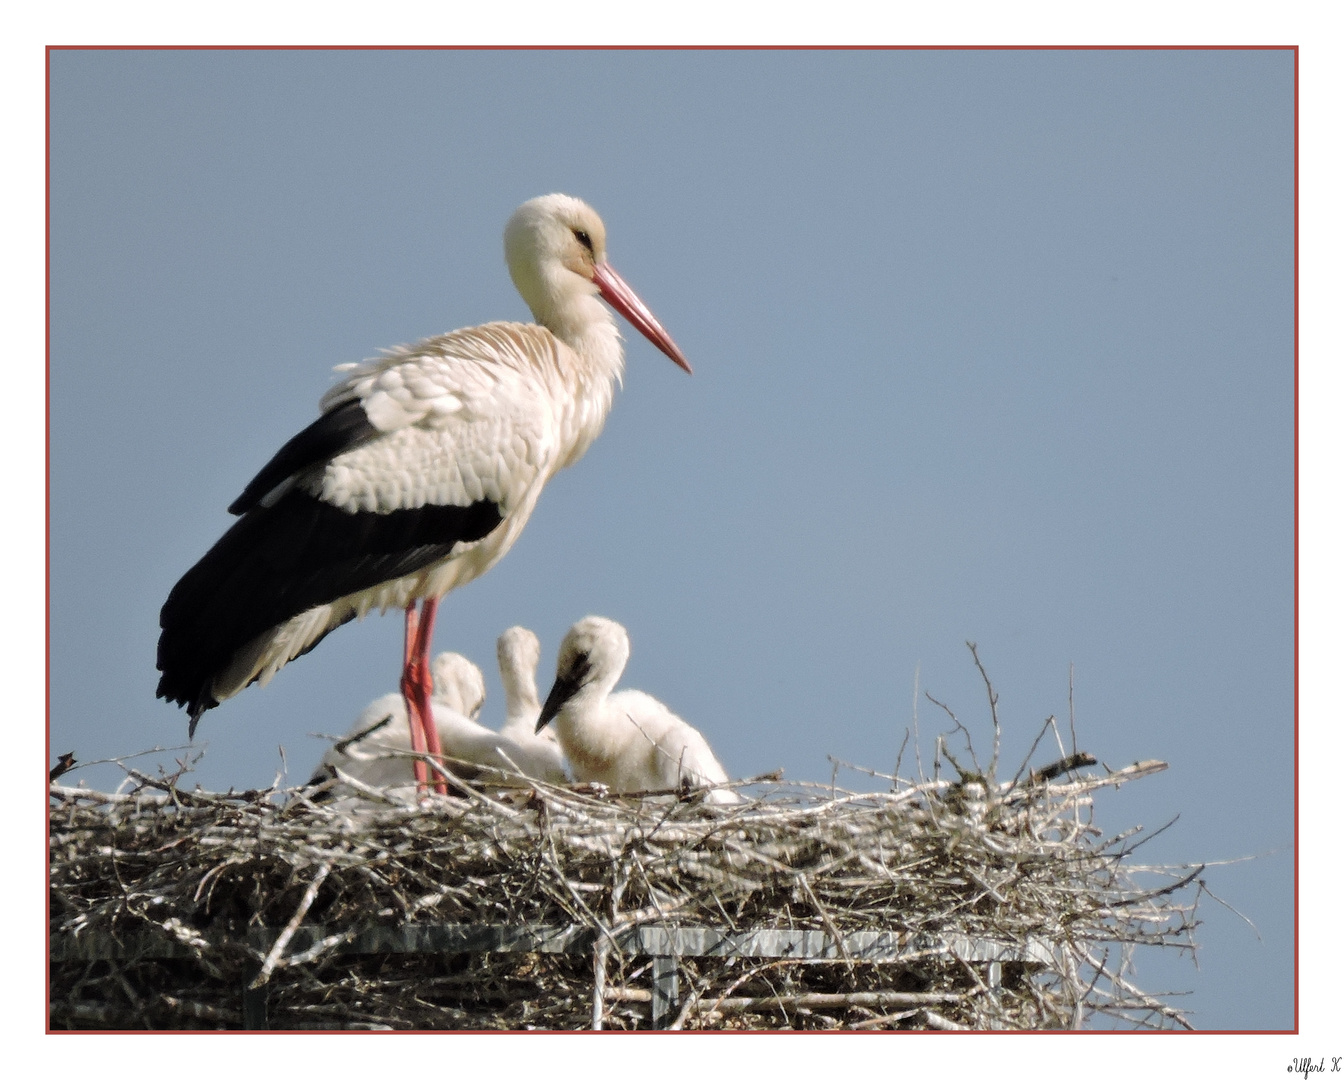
(625, 739)
(418, 476)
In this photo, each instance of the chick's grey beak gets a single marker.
(566, 686)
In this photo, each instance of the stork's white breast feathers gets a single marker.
(465, 417)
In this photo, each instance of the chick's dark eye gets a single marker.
(584, 239)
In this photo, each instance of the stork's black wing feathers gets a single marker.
(279, 561)
(342, 428)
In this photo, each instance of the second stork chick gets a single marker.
(377, 749)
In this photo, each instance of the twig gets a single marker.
(1059, 768)
(860, 769)
(826, 921)
(1204, 888)
(342, 745)
(883, 1021)
(1031, 750)
(827, 1001)
(993, 707)
(900, 753)
(278, 949)
(942, 1023)
(1073, 731)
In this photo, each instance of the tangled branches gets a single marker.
(962, 903)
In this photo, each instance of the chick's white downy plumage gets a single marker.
(376, 752)
(459, 685)
(625, 739)
(519, 652)
(502, 756)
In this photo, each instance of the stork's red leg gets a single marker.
(424, 638)
(417, 688)
(410, 697)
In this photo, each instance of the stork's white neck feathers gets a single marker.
(552, 245)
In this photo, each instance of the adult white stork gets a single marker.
(417, 477)
(627, 739)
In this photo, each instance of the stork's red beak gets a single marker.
(620, 296)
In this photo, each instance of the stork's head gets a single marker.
(556, 249)
(593, 654)
(458, 683)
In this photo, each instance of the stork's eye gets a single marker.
(584, 239)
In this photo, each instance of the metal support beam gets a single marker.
(254, 1008)
(637, 941)
(665, 990)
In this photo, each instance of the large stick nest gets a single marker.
(965, 903)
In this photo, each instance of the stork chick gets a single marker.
(519, 652)
(624, 739)
(377, 749)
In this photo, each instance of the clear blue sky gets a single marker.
(988, 345)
